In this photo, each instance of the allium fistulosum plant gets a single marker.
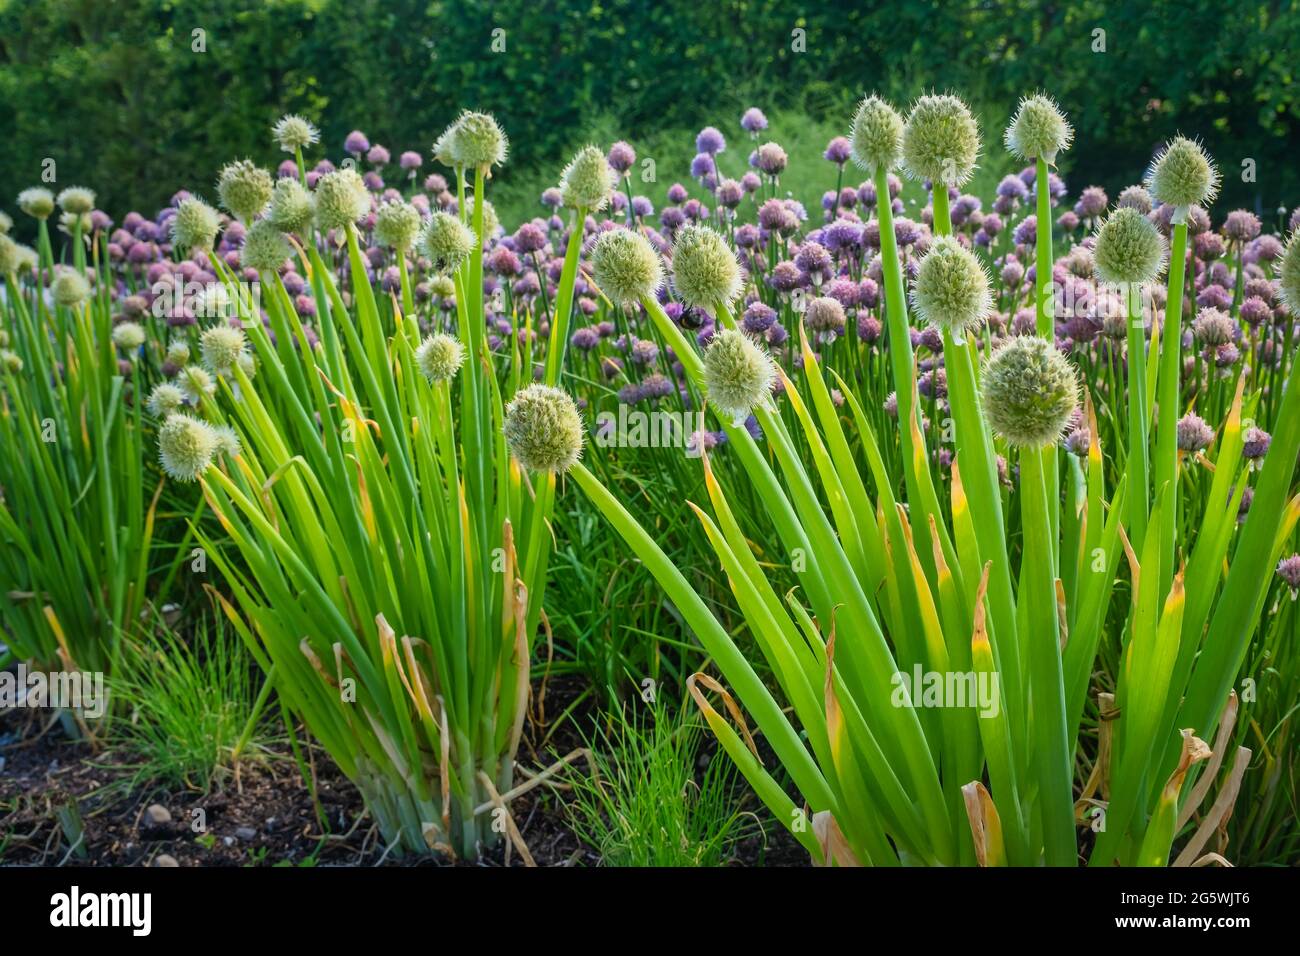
(395, 556)
(887, 773)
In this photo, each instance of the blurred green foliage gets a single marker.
(115, 92)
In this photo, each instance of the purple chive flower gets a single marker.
(378, 155)
(642, 207)
(410, 161)
(1288, 569)
(869, 329)
(1013, 187)
(356, 143)
(1209, 246)
(530, 238)
(777, 335)
(710, 141)
(1254, 443)
(1026, 233)
(838, 151)
(753, 121)
(1068, 221)
(621, 157)
(1092, 203)
(786, 277)
(1255, 311)
(758, 318)
(1241, 225)
(747, 236)
(813, 259)
(552, 198)
(701, 165)
(1214, 297)
(677, 193)
(750, 182)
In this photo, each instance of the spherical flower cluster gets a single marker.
(876, 135)
(440, 357)
(165, 399)
(474, 141)
(587, 181)
(195, 383)
(824, 317)
(1182, 175)
(186, 447)
(1194, 434)
(543, 429)
(77, 200)
(244, 188)
(265, 248)
(1288, 569)
(1039, 129)
(1254, 443)
(941, 141)
(621, 157)
(8, 256)
(1213, 327)
(771, 159)
(1029, 391)
(397, 225)
(69, 288)
(626, 267)
(291, 208)
(951, 290)
(341, 199)
(227, 441)
(753, 121)
(1129, 248)
(195, 225)
(222, 347)
(738, 375)
(293, 133)
(37, 202)
(128, 336)
(706, 273)
(1288, 272)
(447, 242)
(1135, 197)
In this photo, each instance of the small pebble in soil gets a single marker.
(246, 834)
(165, 859)
(157, 815)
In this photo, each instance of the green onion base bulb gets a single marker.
(1129, 249)
(1183, 175)
(37, 202)
(941, 141)
(244, 188)
(626, 267)
(69, 288)
(587, 181)
(341, 199)
(876, 136)
(951, 290)
(292, 208)
(543, 429)
(447, 242)
(195, 225)
(706, 273)
(1029, 390)
(1038, 130)
(738, 375)
(185, 447)
(440, 357)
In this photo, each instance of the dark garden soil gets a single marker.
(264, 815)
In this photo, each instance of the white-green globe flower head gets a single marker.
(877, 136)
(443, 147)
(292, 208)
(227, 438)
(341, 199)
(1183, 175)
(77, 200)
(10, 362)
(128, 336)
(587, 181)
(293, 133)
(178, 352)
(1288, 273)
(6, 223)
(706, 273)
(941, 141)
(69, 288)
(440, 357)
(1129, 249)
(738, 374)
(195, 225)
(28, 260)
(37, 202)
(626, 267)
(477, 142)
(1029, 390)
(1039, 130)
(244, 189)
(443, 286)
(543, 429)
(185, 447)
(397, 225)
(447, 242)
(490, 221)
(8, 256)
(221, 347)
(265, 248)
(951, 290)
(164, 400)
(247, 361)
(195, 383)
